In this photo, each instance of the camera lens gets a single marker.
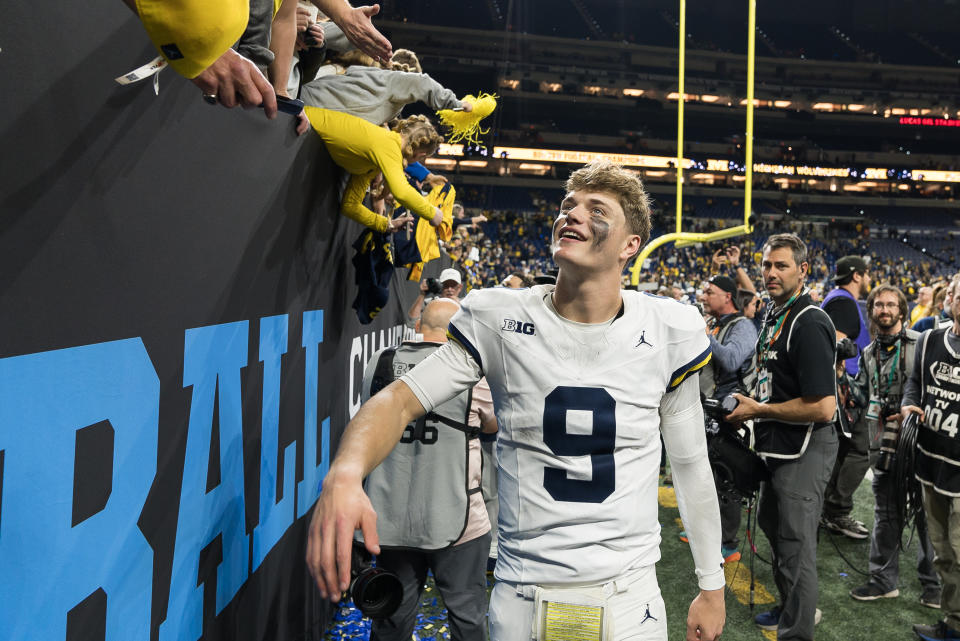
(377, 593)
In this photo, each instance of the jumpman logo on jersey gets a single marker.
(643, 340)
(647, 616)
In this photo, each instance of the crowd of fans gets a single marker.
(355, 87)
(509, 242)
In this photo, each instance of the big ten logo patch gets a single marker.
(946, 373)
(518, 327)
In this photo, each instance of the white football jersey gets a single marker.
(578, 409)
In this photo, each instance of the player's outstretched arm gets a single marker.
(681, 421)
(343, 507)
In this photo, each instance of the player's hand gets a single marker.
(342, 508)
(746, 409)
(466, 106)
(907, 410)
(706, 616)
(423, 287)
(437, 217)
(234, 80)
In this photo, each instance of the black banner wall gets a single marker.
(177, 350)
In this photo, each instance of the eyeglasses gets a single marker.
(886, 305)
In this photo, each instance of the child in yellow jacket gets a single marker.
(364, 149)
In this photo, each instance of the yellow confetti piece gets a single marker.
(769, 635)
(666, 496)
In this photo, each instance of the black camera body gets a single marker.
(376, 592)
(717, 409)
(846, 348)
(737, 470)
(433, 286)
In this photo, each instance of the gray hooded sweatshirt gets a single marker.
(376, 95)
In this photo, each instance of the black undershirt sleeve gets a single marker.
(812, 352)
(845, 316)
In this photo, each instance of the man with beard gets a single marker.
(933, 393)
(882, 375)
(853, 284)
(792, 406)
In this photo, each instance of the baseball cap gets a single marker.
(848, 266)
(450, 274)
(726, 284)
(192, 35)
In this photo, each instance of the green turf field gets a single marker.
(844, 619)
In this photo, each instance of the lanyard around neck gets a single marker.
(890, 375)
(768, 338)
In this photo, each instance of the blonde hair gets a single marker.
(626, 186)
(418, 134)
(353, 57)
(404, 60)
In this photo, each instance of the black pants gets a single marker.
(460, 573)
(731, 510)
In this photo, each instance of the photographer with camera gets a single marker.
(732, 339)
(427, 494)
(932, 393)
(841, 305)
(448, 285)
(792, 404)
(882, 375)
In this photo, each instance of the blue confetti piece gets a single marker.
(843, 574)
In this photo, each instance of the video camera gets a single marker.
(737, 470)
(376, 592)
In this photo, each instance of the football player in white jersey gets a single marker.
(585, 377)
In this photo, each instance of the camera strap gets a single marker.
(899, 362)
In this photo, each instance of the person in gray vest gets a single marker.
(881, 377)
(732, 339)
(792, 404)
(427, 495)
(933, 393)
(841, 305)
